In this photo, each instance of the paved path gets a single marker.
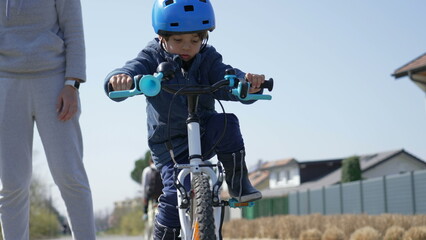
(108, 238)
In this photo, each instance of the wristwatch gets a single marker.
(73, 83)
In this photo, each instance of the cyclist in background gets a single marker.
(182, 27)
(152, 186)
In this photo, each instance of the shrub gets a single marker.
(333, 233)
(415, 233)
(351, 170)
(365, 233)
(291, 226)
(43, 223)
(310, 234)
(394, 233)
(132, 224)
(126, 219)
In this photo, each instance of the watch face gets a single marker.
(77, 84)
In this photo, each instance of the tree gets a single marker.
(351, 169)
(140, 164)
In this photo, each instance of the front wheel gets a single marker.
(202, 215)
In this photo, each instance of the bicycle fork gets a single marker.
(196, 166)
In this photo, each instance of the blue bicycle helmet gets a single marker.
(182, 16)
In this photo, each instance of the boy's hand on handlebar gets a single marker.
(121, 82)
(255, 81)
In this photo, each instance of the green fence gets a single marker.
(266, 208)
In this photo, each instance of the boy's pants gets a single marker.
(23, 102)
(231, 142)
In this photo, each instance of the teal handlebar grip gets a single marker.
(149, 85)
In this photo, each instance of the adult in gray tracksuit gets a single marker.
(42, 62)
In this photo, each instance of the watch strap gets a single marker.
(73, 83)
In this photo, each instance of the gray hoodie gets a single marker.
(41, 38)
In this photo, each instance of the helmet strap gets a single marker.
(203, 44)
(162, 45)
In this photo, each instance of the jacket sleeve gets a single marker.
(217, 72)
(71, 26)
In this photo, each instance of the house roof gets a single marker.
(313, 162)
(367, 161)
(415, 66)
(278, 163)
(259, 176)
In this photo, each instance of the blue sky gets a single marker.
(331, 61)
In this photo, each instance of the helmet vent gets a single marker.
(206, 22)
(168, 2)
(204, 1)
(189, 8)
(174, 24)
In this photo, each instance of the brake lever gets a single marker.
(241, 87)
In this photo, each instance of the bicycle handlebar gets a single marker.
(150, 85)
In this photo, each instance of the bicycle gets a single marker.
(201, 211)
(150, 218)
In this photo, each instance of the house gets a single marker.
(415, 70)
(287, 173)
(278, 178)
(291, 173)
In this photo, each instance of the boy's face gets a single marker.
(185, 45)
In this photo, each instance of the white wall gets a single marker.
(288, 176)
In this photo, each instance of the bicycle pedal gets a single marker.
(235, 204)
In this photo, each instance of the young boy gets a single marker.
(182, 27)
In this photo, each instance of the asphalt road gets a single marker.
(108, 238)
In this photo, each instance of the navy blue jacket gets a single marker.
(206, 69)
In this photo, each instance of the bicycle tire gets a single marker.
(203, 219)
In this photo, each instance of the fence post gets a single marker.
(341, 197)
(385, 195)
(308, 195)
(298, 202)
(361, 197)
(413, 191)
(323, 200)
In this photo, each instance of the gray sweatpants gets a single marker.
(23, 102)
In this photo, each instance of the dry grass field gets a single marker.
(331, 227)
